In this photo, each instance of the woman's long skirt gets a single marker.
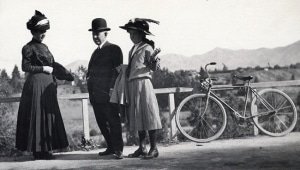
(40, 126)
(143, 107)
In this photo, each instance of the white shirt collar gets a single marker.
(136, 46)
(101, 45)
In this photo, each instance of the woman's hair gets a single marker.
(150, 42)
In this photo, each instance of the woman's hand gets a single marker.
(47, 69)
(110, 91)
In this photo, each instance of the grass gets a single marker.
(71, 111)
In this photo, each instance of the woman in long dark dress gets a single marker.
(40, 127)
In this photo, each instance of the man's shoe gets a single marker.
(106, 152)
(118, 155)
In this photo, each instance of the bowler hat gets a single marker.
(38, 22)
(137, 24)
(99, 24)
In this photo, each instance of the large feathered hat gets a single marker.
(140, 24)
(38, 22)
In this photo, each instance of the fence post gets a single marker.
(85, 116)
(173, 129)
(254, 109)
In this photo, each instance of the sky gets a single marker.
(187, 27)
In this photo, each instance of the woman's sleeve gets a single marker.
(27, 64)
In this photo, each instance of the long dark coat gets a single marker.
(102, 72)
(40, 126)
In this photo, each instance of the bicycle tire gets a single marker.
(274, 112)
(195, 127)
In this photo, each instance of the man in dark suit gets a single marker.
(101, 77)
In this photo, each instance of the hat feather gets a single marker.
(145, 19)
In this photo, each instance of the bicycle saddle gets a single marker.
(244, 78)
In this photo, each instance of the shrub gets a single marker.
(74, 142)
(7, 123)
(93, 132)
(162, 135)
(7, 131)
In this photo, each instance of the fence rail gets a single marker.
(171, 101)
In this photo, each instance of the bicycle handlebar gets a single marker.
(207, 83)
(211, 63)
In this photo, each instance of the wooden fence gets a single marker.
(84, 97)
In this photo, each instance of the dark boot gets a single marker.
(153, 152)
(142, 150)
(37, 155)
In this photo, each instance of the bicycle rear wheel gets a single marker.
(197, 125)
(274, 112)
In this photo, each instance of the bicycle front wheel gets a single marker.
(274, 112)
(198, 124)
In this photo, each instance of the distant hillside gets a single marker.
(74, 65)
(233, 59)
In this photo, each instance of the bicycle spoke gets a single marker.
(278, 121)
(197, 125)
(266, 104)
(207, 124)
(282, 104)
(281, 121)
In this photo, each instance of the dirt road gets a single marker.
(261, 152)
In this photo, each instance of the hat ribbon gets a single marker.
(42, 22)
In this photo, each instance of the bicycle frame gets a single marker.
(249, 90)
(242, 114)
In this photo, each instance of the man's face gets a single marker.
(99, 37)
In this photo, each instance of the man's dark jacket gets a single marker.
(102, 71)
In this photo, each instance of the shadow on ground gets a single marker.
(261, 152)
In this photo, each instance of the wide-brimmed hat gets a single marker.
(99, 24)
(139, 24)
(38, 22)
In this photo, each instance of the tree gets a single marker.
(202, 73)
(298, 99)
(16, 81)
(16, 73)
(225, 68)
(257, 68)
(4, 74)
(81, 81)
(81, 72)
(293, 77)
(256, 79)
(277, 67)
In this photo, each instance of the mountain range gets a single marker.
(232, 59)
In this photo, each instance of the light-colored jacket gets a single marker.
(120, 91)
(140, 60)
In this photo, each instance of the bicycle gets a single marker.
(201, 117)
